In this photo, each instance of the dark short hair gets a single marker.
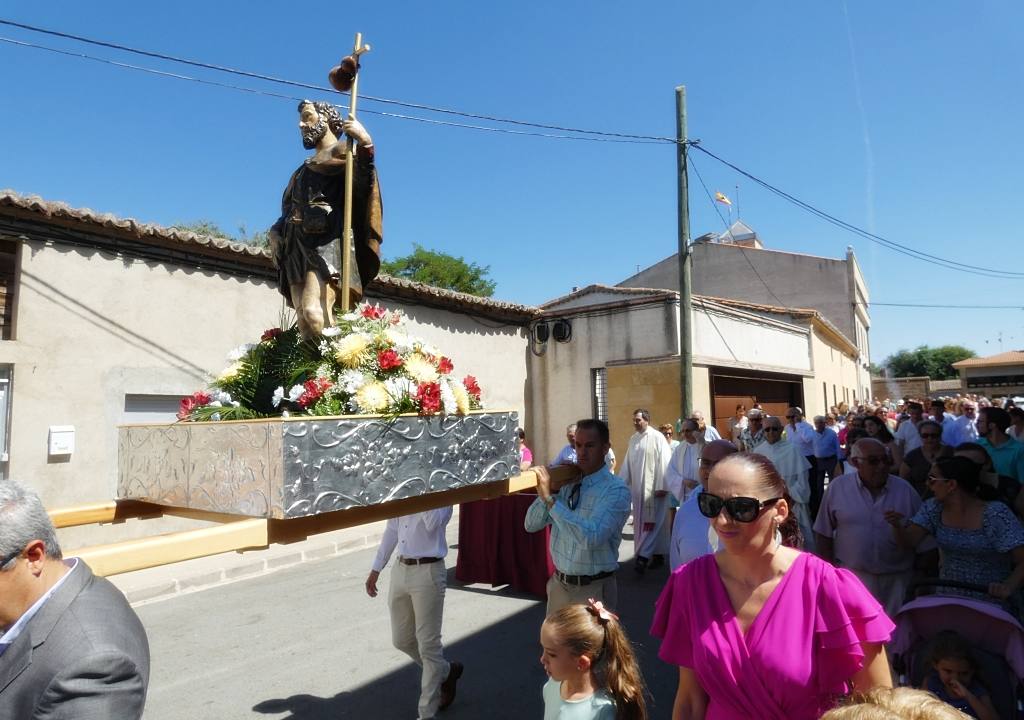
(999, 417)
(521, 433)
(965, 471)
(643, 413)
(327, 112)
(933, 423)
(600, 426)
(1015, 412)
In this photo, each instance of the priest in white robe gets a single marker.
(643, 470)
(794, 469)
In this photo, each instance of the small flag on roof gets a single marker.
(720, 197)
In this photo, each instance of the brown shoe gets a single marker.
(448, 686)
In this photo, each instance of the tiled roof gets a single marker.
(610, 289)
(1012, 357)
(383, 286)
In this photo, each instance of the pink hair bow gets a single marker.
(597, 608)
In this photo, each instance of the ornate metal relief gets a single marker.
(304, 466)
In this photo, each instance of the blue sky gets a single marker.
(903, 118)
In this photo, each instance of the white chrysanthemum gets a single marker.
(448, 398)
(373, 397)
(240, 352)
(295, 392)
(221, 397)
(230, 371)
(277, 397)
(350, 381)
(400, 387)
(461, 397)
(351, 350)
(350, 317)
(331, 331)
(420, 369)
(399, 340)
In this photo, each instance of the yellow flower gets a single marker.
(351, 350)
(461, 397)
(230, 371)
(420, 369)
(373, 397)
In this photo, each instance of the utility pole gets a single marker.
(685, 262)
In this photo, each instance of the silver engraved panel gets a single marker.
(304, 466)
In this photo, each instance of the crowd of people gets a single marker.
(792, 546)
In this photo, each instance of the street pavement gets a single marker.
(306, 643)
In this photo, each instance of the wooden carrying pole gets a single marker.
(346, 234)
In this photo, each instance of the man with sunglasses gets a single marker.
(795, 471)
(643, 471)
(691, 534)
(586, 518)
(70, 645)
(851, 530)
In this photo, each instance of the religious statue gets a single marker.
(306, 238)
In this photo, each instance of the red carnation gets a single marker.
(373, 312)
(190, 403)
(388, 360)
(472, 386)
(314, 390)
(428, 395)
(444, 365)
(270, 334)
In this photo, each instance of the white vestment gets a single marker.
(643, 471)
(794, 468)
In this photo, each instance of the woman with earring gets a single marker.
(760, 629)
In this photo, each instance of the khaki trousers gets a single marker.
(561, 594)
(416, 602)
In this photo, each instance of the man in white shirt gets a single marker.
(794, 469)
(643, 471)
(692, 536)
(416, 600)
(907, 437)
(567, 455)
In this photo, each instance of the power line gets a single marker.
(948, 307)
(321, 88)
(892, 245)
(728, 229)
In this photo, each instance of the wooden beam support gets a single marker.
(106, 512)
(174, 547)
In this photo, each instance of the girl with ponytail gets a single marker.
(761, 629)
(593, 671)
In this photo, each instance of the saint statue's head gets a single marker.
(314, 120)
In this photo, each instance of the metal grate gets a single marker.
(599, 393)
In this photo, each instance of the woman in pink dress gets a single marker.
(760, 629)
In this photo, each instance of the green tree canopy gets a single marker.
(936, 363)
(208, 227)
(441, 270)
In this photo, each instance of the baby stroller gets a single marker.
(996, 637)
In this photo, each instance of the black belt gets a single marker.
(419, 561)
(582, 579)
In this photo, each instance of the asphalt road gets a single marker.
(306, 643)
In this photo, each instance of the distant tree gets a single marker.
(936, 363)
(208, 227)
(441, 270)
(876, 370)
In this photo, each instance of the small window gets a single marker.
(5, 418)
(599, 393)
(150, 408)
(8, 287)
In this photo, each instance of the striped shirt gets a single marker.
(585, 541)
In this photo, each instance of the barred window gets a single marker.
(599, 393)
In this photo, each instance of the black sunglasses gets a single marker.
(573, 501)
(740, 509)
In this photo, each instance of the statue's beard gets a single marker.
(311, 134)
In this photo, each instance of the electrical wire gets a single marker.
(294, 83)
(946, 307)
(728, 229)
(878, 239)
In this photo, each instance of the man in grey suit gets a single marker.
(70, 646)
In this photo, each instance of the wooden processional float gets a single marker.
(282, 479)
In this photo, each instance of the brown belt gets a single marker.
(419, 561)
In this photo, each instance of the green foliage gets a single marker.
(936, 363)
(208, 227)
(441, 270)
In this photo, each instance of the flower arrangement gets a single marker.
(366, 364)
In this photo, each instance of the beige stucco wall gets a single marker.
(560, 379)
(833, 367)
(92, 328)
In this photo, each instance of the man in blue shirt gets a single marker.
(586, 518)
(567, 455)
(826, 456)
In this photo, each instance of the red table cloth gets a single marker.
(494, 547)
